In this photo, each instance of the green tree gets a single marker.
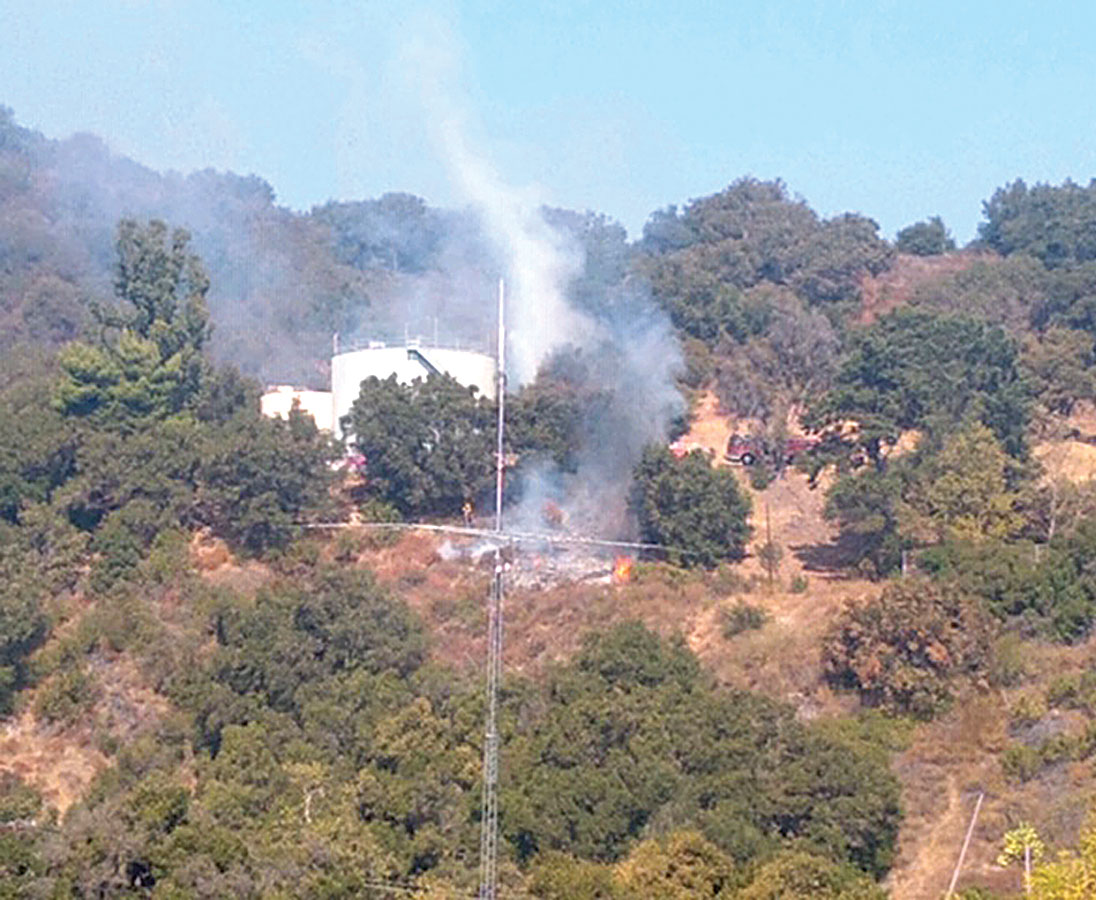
(928, 238)
(794, 360)
(837, 257)
(1022, 845)
(1058, 365)
(682, 866)
(557, 876)
(963, 492)
(628, 737)
(396, 231)
(37, 446)
(1052, 223)
(606, 257)
(429, 445)
(902, 649)
(258, 477)
(546, 418)
(149, 362)
(795, 875)
(23, 627)
(1071, 876)
(1014, 292)
(699, 262)
(1053, 593)
(698, 513)
(163, 286)
(916, 370)
(866, 506)
(305, 630)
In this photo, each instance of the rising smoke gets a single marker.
(628, 348)
(538, 260)
(281, 287)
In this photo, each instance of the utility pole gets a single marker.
(489, 819)
(966, 844)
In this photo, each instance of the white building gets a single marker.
(407, 361)
(279, 400)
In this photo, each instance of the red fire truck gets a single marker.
(747, 449)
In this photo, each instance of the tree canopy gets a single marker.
(1055, 224)
(150, 362)
(697, 512)
(928, 238)
(429, 445)
(916, 370)
(633, 735)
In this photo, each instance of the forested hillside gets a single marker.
(799, 695)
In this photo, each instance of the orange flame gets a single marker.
(553, 515)
(622, 570)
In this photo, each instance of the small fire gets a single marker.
(552, 514)
(622, 570)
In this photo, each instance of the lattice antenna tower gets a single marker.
(489, 821)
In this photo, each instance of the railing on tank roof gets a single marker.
(375, 341)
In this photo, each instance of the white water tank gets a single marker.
(279, 400)
(407, 361)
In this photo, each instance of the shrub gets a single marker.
(1007, 666)
(799, 584)
(743, 617)
(698, 513)
(18, 800)
(725, 580)
(795, 874)
(927, 238)
(1074, 692)
(630, 740)
(1054, 595)
(23, 627)
(902, 650)
(1022, 762)
(761, 475)
(1027, 710)
(64, 698)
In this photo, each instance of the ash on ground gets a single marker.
(541, 568)
(536, 567)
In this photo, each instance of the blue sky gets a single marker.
(896, 110)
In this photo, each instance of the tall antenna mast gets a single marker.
(489, 820)
(500, 398)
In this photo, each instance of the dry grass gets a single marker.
(955, 758)
(547, 626)
(710, 428)
(59, 765)
(1066, 459)
(61, 761)
(893, 288)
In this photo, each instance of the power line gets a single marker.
(505, 538)
(412, 888)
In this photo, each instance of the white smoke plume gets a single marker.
(629, 351)
(539, 261)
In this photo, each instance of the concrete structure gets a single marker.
(278, 401)
(407, 361)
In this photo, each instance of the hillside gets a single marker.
(801, 672)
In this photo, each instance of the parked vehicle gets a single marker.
(747, 449)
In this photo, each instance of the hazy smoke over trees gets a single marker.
(284, 282)
(571, 314)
